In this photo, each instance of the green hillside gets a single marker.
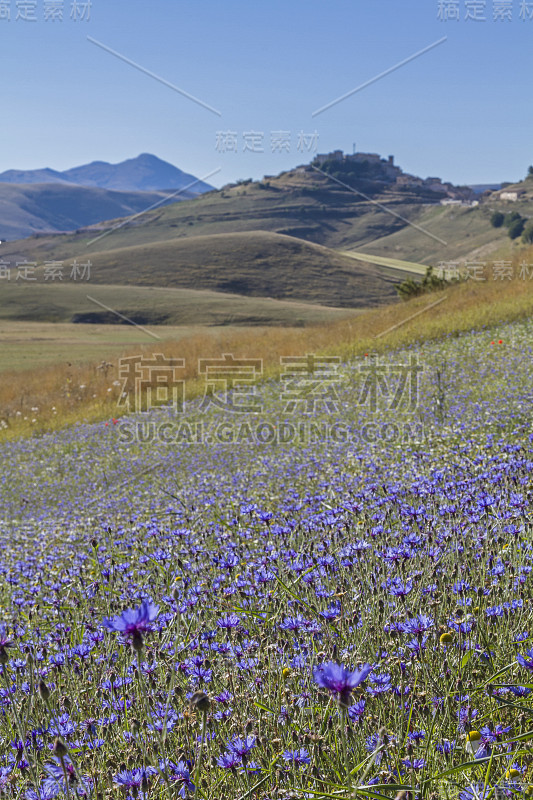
(69, 303)
(297, 236)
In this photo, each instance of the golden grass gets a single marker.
(55, 391)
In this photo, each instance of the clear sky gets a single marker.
(461, 111)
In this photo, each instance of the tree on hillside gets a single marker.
(516, 228)
(530, 172)
(527, 236)
(511, 217)
(429, 283)
(497, 219)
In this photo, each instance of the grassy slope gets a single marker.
(395, 265)
(68, 302)
(255, 264)
(466, 306)
(304, 205)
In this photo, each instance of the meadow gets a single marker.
(327, 596)
(52, 374)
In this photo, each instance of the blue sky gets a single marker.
(461, 111)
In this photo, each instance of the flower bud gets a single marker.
(44, 691)
(199, 701)
(59, 749)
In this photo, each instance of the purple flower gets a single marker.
(56, 770)
(136, 778)
(133, 622)
(298, 757)
(178, 773)
(416, 626)
(445, 747)
(356, 710)
(63, 726)
(229, 761)
(5, 642)
(230, 621)
(526, 662)
(339, 680)
(479, 792)
(241, 747)
(45, 792)
(414, 763)
(5, 774)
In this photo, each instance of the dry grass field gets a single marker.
(52, 396)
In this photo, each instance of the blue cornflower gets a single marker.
(138, 778)
(229, 760)
(133, 622)
(224, 697)
(477, 792)
(56, 771)
(294, 623)
(298, 757)
(5, 774)
(372, 745)
(356, 710)
(46, 791)
(414, 763)
(5, 642)
(63, 727)
(178, 773)
(483, 752)
(520, 691)
(339, 680)
(397, 588)
(417, 626)
(332, 612)
(416, 646)
(416, 736)
(241, 747)
(491, 736)
(380, 684)
(526, 662)
(229, 621)
(445, 747)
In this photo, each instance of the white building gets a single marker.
(512, 196)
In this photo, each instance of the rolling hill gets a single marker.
(252, 264)
(298, 236)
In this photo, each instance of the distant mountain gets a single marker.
(33, 176)
(26, 209)
(146, 173)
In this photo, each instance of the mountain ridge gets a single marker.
(144, 173)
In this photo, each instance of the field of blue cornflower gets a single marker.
(324, 618)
